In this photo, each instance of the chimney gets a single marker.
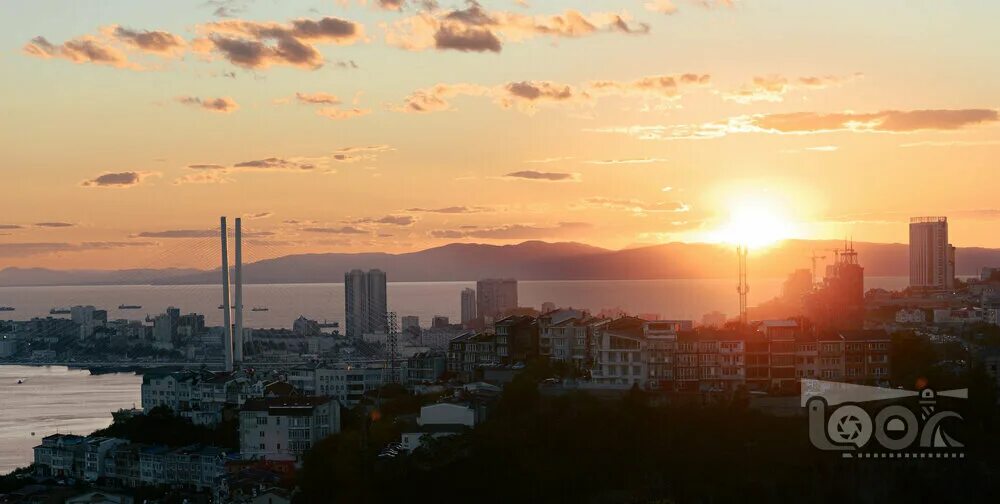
(227, 344)
(238, 337)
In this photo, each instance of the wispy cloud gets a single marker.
(544, 176)
(889, 121)
(223, 104)
(118, 180)
(515, 231)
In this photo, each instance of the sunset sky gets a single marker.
(396, 125)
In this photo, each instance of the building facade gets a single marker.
(932, 263)
(285, 428)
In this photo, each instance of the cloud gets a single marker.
(41, 248)
(395, 220)
(435, 99)
(476, 29)
(86, 49)
(661, 6)
(626, 161)
(212, 173)
(222, 104)
(336, 230)
(11, 226)
(156, 42)
(889, 121)
(338, 114)
(544, 176)
(259, 45)
(54, 224)
(654, 86)
(451, 210)
(194, 233)
(317, 98)
(514, 231)
(772, 88)
(117, 180)
(203, 177)
(258, 216)
(356, 154)
(526, 95)
(277, 164)
(636, 206)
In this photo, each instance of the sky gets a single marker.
(389, 125)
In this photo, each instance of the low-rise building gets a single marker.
(439, 420)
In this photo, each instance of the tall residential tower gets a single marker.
(365, 302)
(495, 297)
(468, 306)
(932, 258)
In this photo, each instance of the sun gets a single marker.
(756, 222)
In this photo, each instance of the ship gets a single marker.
(6, 308)
(259, 308)
(129, 307)
(60, 311)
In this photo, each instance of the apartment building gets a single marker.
(200, 396)
(567, 335)
(284, 428)
(866, 356)
(517, 338)
(131, 465)
(471, 351)
(345, 382)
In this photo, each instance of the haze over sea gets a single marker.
(671, 299)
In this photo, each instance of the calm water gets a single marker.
(56, 399)
(672, 299)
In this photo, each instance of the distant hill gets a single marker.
(532, 260)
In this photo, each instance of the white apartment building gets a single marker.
(284, 428)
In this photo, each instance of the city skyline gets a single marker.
(345, 127)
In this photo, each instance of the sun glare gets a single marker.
(756, 223)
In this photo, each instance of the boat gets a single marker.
(20, 382)
(129, 307)
(6, 308)
(231, 307)
(60, 311)
(259, 308)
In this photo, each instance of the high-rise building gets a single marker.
(839, 303)
(932, 258)
(365, 302)
(410, 321)
(439, 322)
(468, 306)
(495, 296)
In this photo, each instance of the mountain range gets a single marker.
(532, 260)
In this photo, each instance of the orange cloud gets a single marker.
(222, 104)
(258, 45)
(476, 29)
(86, 49)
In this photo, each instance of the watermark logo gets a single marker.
(837, 423)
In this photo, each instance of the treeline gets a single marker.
(578, 448)
(161, 426)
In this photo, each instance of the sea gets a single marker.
(56, 399)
